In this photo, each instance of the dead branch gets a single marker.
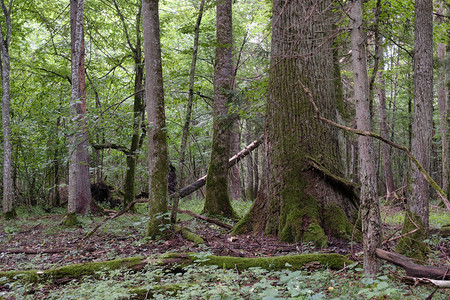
(231, 162)
(427, 176)
(30, 251)
(413, 269)
(210, 220)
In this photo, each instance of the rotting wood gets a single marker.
(415, 281)
(412, 269)
(292, 262)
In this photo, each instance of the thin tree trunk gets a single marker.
(8, 183)
(250, 176)
(234, 174)
(187, 122)
(138, 108)
(371, 220)
(217, 200)
(442, 105)
(387, 164)
(157, 137)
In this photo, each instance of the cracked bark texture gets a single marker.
(157, 132)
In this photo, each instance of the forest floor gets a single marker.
(38, 240)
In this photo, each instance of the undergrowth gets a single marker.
(213, 282)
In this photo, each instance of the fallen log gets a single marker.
(415, 281)
(293, 262)
(412, 269)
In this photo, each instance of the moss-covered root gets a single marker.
(10, 215)
(72, 271)
(332, 261)
(71, 220)
(144, 293)
(190, 236)
(412, 244)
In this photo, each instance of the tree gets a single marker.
(8, 182)
(217, 200)
(417, 214)
(157, 132)
(138, 105)
(302, 196)
(187, 122)
(442, 104)
(370, 210)
(79, 184)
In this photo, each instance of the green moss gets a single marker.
(195, 238)
(337, 223)
(412, 245)
(71, 220)
(300, 217)
(244, 225)
(315, 234)
(147, 293)
(72, 271)
(294, 262)
(10, 215)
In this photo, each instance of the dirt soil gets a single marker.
(45, 243)
(43, 246)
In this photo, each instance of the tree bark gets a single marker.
(8, 183)
(184, 138)
(217, 200)
(234, 174)
(79, 185)
(442, 105)
(157, 136)
(138, 105)
(370, 210)
(296, 202)
(418, 209)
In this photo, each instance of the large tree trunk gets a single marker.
(370, 210)
(79, 185)
(8, 183)
(217, 200)
(418, 209)
(157, 137)
(301, 197)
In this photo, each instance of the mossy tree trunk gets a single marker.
(8, 182)
(157, 135)
(298, 202)
(217, 200)
(418, 207)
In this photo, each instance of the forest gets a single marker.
(198, 149)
